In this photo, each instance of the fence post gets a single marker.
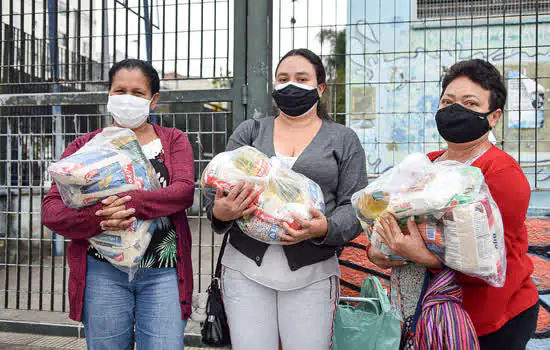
(56, 110)
(258, 58)
(148, 30)
(239, 102)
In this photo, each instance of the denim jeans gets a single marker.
(118, 312)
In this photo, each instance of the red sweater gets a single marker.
(171, 201)
(489, 307)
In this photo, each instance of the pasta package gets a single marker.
(109, 164)
(283, 192)
(453, 208)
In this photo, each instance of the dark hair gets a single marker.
(319, 72)
(482, 73)
(146, 68)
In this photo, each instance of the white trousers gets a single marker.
(258, 316)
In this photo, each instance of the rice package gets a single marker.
(474, 238)
(109, 164)
(453, 208)
(283, 191)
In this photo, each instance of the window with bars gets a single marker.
(434, 9)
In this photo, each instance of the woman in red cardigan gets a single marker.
(471, 104)
(156, 303)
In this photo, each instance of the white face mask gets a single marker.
(128, 111)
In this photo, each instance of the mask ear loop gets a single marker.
(486, 116)
(149, 107)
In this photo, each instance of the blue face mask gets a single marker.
(295, 99)
(459, 124)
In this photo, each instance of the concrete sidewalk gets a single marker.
(24, 329)
(20, 341)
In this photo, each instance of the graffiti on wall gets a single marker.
(399, 65)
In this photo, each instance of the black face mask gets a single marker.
(294, 100)
(459, 124)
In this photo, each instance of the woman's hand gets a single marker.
(115, 215)
(411, 247)
(236, 203)
(316, 227)
(383, 261)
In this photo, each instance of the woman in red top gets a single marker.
(152, 309)
(471, 104)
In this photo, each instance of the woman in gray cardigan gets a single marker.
(289, 292)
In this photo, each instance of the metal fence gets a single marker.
(54, 62)
(384, 62)
(54, 59)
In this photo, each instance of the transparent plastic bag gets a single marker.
(474, 239)
(456, 214)
(283, 191)
(110, 163)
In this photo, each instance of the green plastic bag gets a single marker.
(370, 325)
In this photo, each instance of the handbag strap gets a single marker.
(255, 131)
(218, 272)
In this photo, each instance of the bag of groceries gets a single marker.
(283, 191)
(455, 212)
(109, 164)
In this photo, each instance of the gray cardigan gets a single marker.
(336, 161)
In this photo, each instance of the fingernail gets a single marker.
(132, 210)
(98, 213)
(128, 197)
(101, 224)
(133, 219)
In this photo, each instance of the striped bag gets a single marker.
(443, 322)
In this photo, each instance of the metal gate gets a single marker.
(55, 56)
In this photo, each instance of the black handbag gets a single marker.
(215, 330)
